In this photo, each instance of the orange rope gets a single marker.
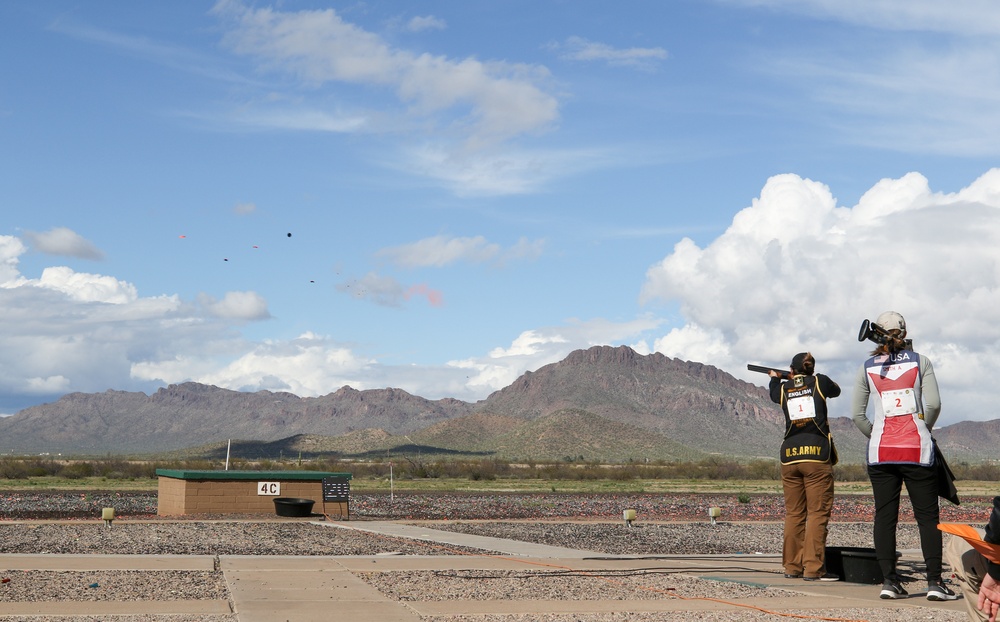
(614, 582)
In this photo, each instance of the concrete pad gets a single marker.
(304, 589)
(279, 562)
(450, 562)
(300, 611)
(484, 562)
(440, 538)
(309, 585)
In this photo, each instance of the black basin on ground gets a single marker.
(288, 506)
(854, 564)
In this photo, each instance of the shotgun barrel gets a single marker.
(784, 374)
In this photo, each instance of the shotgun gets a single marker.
(784, 374)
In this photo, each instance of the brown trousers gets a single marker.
(969, 567)
(808, 488)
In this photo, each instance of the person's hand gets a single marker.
(989, 597)
(773, 374)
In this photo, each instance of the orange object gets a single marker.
(971, 535)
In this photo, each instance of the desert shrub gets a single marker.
(763, 469)
(13, 469)
(488, 470)
(487, 475)
(113, 468)
(590, 472)
(77, 470)
(985, 472)
(625, 473)
(418, 469)
(850, 473)
(721, 468)
(555, 471)
(39, 467)
(194, 465)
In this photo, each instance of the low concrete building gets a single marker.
(182, 492)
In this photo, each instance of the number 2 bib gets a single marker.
(899, 402)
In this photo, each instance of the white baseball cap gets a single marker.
(891, 320)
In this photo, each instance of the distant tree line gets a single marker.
(18, 468)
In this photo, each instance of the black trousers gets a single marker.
(922, 488)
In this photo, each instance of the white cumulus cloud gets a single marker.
(797, 272)
(11, 249)
(237, 306)
(308, 365)
(71, 331)
(537, 347)
(80, 286)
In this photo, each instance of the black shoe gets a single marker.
(936, 590)
(791, 575)
(829, 576)
(892, 589)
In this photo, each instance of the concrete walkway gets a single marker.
(312, 588)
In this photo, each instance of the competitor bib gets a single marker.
(802, 408)
(899, 402)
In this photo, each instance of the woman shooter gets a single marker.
(807, 459)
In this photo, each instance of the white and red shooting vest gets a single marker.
(899, 434)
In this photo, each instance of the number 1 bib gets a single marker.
(801, 408)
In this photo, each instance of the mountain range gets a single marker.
(604, 403)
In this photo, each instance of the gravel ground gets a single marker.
(493, 506)
(671, 538)
(590, 522)
(554, 585)
(119, 585)
(306, 538)
(198, 538)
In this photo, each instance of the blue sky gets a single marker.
(440, 196)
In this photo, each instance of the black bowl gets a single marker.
(288, 506)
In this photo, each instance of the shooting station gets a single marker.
(285, 493)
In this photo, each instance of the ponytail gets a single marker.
(893, 344)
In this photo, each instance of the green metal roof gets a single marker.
(250, 475)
